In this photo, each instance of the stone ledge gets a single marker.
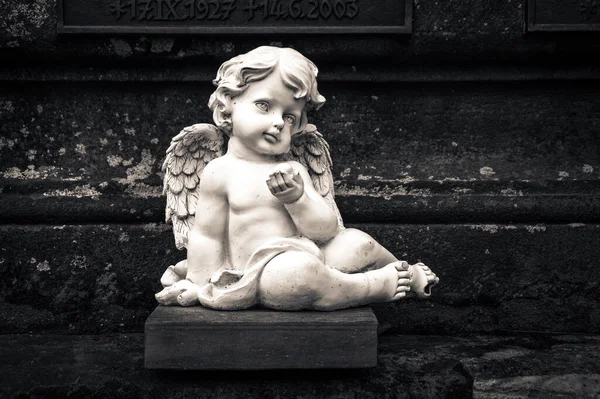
(408, 366)
(55, 201)
(70, 208)
(483, 72)
(81, 279)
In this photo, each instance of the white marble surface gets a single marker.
(258, 218)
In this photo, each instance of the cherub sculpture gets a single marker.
(260, 223)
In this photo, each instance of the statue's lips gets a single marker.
(271, 138)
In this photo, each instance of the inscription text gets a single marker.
(221, 10)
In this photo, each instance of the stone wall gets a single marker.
(469, 144)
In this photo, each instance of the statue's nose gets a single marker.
(278, 121)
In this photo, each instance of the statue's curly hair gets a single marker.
(234, 76)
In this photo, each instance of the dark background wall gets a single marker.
(470, 145)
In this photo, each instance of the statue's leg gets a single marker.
(298, 280)
(352, 251)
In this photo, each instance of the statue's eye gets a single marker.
(262, 105)
(289, 120)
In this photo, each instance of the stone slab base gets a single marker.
(197, 338)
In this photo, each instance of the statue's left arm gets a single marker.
(309, 211)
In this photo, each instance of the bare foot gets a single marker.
(174, 274)
(391, 282)
(183, 292)
(423, 280)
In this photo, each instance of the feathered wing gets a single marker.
(189, 152)
(311, 150)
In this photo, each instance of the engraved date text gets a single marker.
(301, 9)
(173, 10)
(240, 10)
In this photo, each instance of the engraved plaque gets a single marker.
(235, 16)
(563, 15)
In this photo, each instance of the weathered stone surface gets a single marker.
(467, 120)
(101, 278)
(564, 386)
(538, 367)
(408, 366)
(419, 140)
(94, 279)
(112, 366)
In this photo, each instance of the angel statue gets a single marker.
(260, 223)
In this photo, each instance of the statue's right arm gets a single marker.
(206, 249)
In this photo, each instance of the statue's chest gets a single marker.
(248, 188)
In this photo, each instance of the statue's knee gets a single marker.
(291, 281)
(301, 270)
(306, 264)
(363, 242)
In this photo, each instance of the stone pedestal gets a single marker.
(204, 339)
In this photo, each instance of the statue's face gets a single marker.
(266, 115)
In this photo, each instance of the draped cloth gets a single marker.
(235, 290)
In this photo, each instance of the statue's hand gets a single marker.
(285, 183)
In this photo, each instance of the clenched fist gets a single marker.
(285, 183)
